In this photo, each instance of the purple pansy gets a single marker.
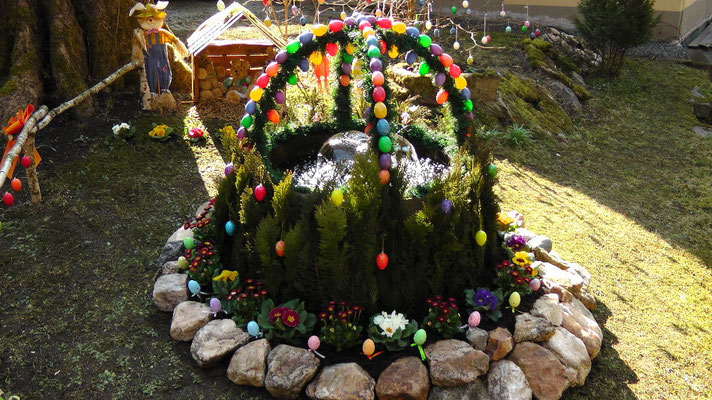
(485, 298)
(516, 243)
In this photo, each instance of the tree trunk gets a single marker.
(51, 50)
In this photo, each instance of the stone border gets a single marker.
(551, 348)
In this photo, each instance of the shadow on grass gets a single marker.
(610, 376)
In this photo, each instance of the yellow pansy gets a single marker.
(503, 221)
(521, 258)
(226, 275)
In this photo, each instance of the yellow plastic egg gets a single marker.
(320, 30)
(460, 82)
(343, 15)
(337, 197)
(350, 49)
(514, 299)
(316, 58)
(368, 31)
(379, 110)
(256, 94)
(480, 238)
(398, 27)
(268, 22)
(368, 347)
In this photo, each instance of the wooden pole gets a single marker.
(21, 138)
(32, 182)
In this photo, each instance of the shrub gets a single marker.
(611, 27)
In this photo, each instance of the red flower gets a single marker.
(290, 318)
(276, 313)
(453, 306)
(445, 311)
(322, 315)
(504, 264)
(514, 273)
(232, 294)
(441, 319)
(528, 270)
(519, 281)
(263, 293)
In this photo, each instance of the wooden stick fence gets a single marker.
(39, 120)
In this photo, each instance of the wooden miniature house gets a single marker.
(226, 69)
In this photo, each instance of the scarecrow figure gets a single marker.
(150, 45)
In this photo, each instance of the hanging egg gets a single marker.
(384, 161)
(253, 329)
(8, 199)
(189, 243)
(368, 347)
(527, 24)
(436, 32)
(268, 22)
(534, 284)
(384, 176)
(337, 197)
(446, 206)
(453, 10)
(485, 39)
(379, 13)
(421, 2)
(194, 287)
(215, 305)
(381, 261)
(480, 238)
(428, 25)
(474, 319)
(424, 69)
(524, 28)
(313, 343)
(221, 5)
(293, 46)
(384, 144)
(453, 30)
(468, 11)
(230, 228)
(514, 299)
(420, 337)
(532, 36)
(470, 60)
(456, 45)
(260, 192)
(25, 161)
(537, 32)
(441, 96)
(502, 14)
(279, 248)
(295, 10)
(465, 4)
(342, 15)
(492, 170)
(16, 184)
(508, 29)
(302, 20)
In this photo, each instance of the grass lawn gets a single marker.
(628, 196)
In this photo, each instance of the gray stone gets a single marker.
(179, 235)
(540, 241)
(454, 362)
(702, 132)
(288, 370)
(544, 372)
(572, 353)
(477, 338)
(586, 298)
(215, 341)
(547, 307)
(703, 111)
(346, 381)
(405, 379)
(548, 287)
(499, 343)
(525, 233)
(554, 31)
(569, 280)
(249, 364)
(577, 321)
(529, 328)
(169, 291)
(170, 251)
(202, 208)
(506, 381)
(171, 267)
(475, 390)
(188, 318)
(551, 258)
(578, 79)
(565, 97)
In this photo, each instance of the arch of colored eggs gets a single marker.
(356, 33)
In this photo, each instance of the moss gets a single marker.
(581, 92)
(536, 57)
(529, 105)
(8, 88)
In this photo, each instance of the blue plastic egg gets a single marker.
(229, 228)
(306, 37)
(383, 127)
(194, 287)
(251, 107)
(304, 65)
(253, 329)
(452, 30)
(465, 93)
(411, 57)
(412, 31)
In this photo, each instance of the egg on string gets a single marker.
(524, 28)
(465, 4)
(502, 14)
(268, 22)
(452, 30)
(303, 20)
(537, 32)
(381, 262)
(508, 29)
(446, 206)
(456, 45)
(436, 32)
(279, 248)
(527, 23)
(230, 228)
(221, 5)
(453, 10)
(337, 197)
(470, 59)
(468, 11)
(8, 199)
(532, 36)
(342, 15)
(295, 10)
(485, 39)
(428, 25)
(379, 13)
(421, 2)
(480, 238)
(260, 192)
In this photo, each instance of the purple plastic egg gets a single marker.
(446, 206)
(470, 116)
(241, 133)
(367, 113)
(372, 20)
(384, 160)
(215, 305)
(281, 57)
(534, 284)
(376, 65)
(346, 68)
(349, 21)
(304, 65)
(474, 319)
(229, 169)
(436, 49)
(280, 97)
(440, 79)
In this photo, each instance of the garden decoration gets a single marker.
(150, 47)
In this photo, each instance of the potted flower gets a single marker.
(195, 134)
(124, 130)
(340, 325)
(485, 302)
(392, 330)
(289, 321)
(160, 132)
(443, 316)
(245, 303)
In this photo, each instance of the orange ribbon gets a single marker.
(14, 126)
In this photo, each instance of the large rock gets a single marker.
(215, 341)
(170, 251)
(550, 287)
(506, 381)
(551, 258)
(405, 379)
(188, 318)
(180, 234)
(565, 96)
(499, 343)
(477, 338)
(540, 241)
(525, 233)
(586, 298)
(529, 328)
(579, 321)
(347, 381)
(171, 267)
(547, 307)
(454, 362)
(249, 363)
(169, 291)
(567, 279)
(472, 391)
(572, 353)
(544, 372)
(288, 370)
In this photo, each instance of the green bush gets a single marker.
(611, 27)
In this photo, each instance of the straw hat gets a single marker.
(148, 10)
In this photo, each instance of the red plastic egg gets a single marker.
(260, 192)
(445, 60)
(25, 161)
(363, 25)
(384, 176)
(377, 78)
(441, 97)
(262, 81)
(385, 23)
(8, 199)
(16, 184)
(382, 46)
(382, 261)
(279, 248)
(379, 94)
(332, 48)
(273, 116)
(272, 69)
(345, 80)
(336, 25)
(455, 70)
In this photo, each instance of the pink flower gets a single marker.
(290, 318)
